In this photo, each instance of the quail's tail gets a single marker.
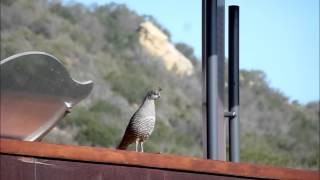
(123, 145)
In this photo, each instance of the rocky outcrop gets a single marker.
(157, 44)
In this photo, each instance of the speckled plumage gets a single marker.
(141, 123)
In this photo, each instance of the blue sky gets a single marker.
(279, 37)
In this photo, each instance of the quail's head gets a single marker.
(154, 94)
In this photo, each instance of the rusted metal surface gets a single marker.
(147, 160)
(13, 169)
(46, 169)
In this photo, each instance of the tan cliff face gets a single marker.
(157, 44)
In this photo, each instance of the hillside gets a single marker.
(102, 44)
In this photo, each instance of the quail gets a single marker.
(141, 123)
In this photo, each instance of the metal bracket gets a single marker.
(230, 114)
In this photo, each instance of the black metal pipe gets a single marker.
(211, 61)
(204, 79)
(213, 58)
(234, 129)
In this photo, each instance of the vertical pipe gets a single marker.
(213, 58)
(204, 79)
(234, 150)
(211, 61)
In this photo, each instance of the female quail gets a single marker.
(141, 123)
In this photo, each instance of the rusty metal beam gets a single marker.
(55, 169)
(148, 160)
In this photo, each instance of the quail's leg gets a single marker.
(137, 143)
(141, 143)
